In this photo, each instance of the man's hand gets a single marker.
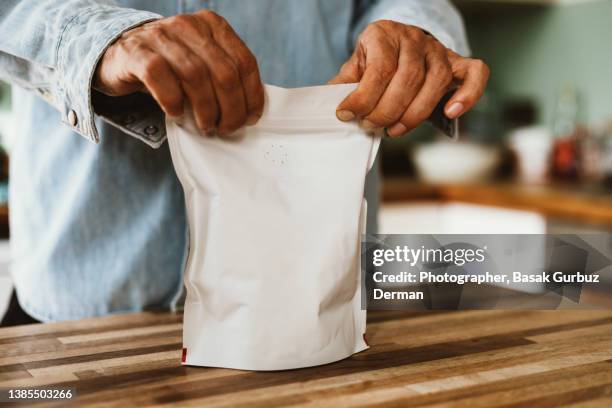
(403, 73)
(193, 57)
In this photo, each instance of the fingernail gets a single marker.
(366, 124)
(251, 120)
(455, 110)
(397, 130)
(345, 115)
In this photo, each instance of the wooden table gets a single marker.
(468, 358)
(567, 202)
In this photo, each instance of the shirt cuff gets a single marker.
(82, 43)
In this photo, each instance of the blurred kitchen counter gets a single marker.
(472, 358)
(584, 204)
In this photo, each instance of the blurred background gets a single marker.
(535, 155)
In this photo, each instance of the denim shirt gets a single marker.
(97, 213)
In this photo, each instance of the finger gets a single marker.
(156, 75)
(473, 76)
(438, 79)
(225, 78)
(380, 68)
(248, 70)
(194, 77)
(349, 72)
(401, 91)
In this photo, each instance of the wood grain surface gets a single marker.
(434, 359)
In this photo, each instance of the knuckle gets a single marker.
(183, 20)
(205, 13)
(246, 62)
(438, 47)
(377, 30)
(383, 117)
(414, 118)
(486, 70)
(126, 45)
(410, 123)
(417, 70)
(481, 66)
(421, 115)
(153, 66)
(216, 17)
(374, 27)
(415, 75)
(348, 65)
(359, 104)
(442, 74)
(191, 73)
(384, 72)
(448, 74)
(470, 98)
(225, 26)
(213, 17)
(155, 32)
(227, 78)
(385, 24)
(416, 34)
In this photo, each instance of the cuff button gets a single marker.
(72, 118)
(129, 119)
(151, 130)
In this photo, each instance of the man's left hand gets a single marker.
(403, 73)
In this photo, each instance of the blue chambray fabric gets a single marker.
(98, 221)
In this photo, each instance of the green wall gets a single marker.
(535, 50)
(5, 96)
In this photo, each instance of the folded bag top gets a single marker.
(275, 220)
(318, 102)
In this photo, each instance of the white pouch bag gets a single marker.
(275, 221)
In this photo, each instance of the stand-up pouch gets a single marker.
(275, 220)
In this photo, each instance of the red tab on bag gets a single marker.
(364, 339)
(184, 356)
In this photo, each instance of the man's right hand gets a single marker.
(195, 57)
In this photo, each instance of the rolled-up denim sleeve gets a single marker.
(438, 17)
(52, 47)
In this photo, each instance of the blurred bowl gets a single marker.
(445, 162)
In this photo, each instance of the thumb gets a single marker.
(349, 72)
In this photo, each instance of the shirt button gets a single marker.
(151, 130)
(129, 119)
(72, 118)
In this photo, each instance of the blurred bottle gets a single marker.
(568, 134)
(592, 154)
